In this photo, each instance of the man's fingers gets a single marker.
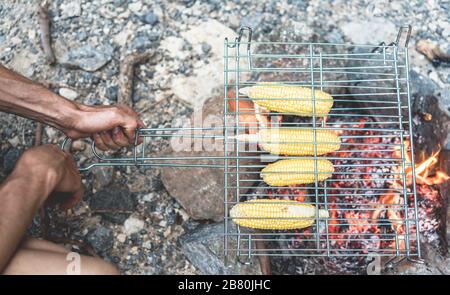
(131, 122)
(141, 123)
(119, 137)
(108, 141)
(130, 133)
(99, 142)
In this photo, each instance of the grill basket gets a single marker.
(374, 170)
(371, 196)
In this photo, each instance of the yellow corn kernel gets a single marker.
(296, 171)
(295, 142)
(290, 99)
(275, 214)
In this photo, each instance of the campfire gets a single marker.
(370, 215)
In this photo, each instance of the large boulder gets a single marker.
(207, 77)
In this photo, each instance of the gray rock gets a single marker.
(133, 225)
(68, 93)
(7, 131)
(135, 97)
(206, 47)
(101, 239)
(204, 249)
(111, 93)
(253, 20)
(114, 203)
(10, 159)
(102, 176)
(335, 36)
(187, 3)
(380, 30)
(87, 57)
(421, 85)
(70, 9)
(150, 18)
(192, 89)
(119, 2)
(143, 42)
(82, 36)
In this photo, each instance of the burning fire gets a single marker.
(348, 222)
(349, 225)
(424, 170)
(425, 175)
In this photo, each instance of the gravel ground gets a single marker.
(127, 215)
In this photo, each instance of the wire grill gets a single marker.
(367, 82)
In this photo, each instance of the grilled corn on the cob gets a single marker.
(290, 99)
(275, 214)
(296, 171)
(295, 142)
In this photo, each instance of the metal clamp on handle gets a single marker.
(402, 29)
(237, 43)
(67, 144)
(139, 157)
(382, 46)
(239, 37)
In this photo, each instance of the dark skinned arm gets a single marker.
(110, 126)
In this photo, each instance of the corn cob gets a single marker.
(294, 142)
(296, 171)
(275, 214)
(290, 99)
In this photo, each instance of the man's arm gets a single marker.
(110, 126)
(38, 173)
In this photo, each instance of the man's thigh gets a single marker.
(37, 257)
(38, 244)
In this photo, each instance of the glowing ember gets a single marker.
(370, 206)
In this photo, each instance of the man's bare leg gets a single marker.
(39, 244)
(45, 258)
(39, 172)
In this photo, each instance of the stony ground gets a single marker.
(127, 216)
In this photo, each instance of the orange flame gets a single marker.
(424, 176)
(423, 171)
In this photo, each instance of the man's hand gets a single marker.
(57, 172)
(111, 127)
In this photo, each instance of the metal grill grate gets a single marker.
(371, 113)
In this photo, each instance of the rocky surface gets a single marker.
(205, 249)
(200, 190)
(127, 215)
